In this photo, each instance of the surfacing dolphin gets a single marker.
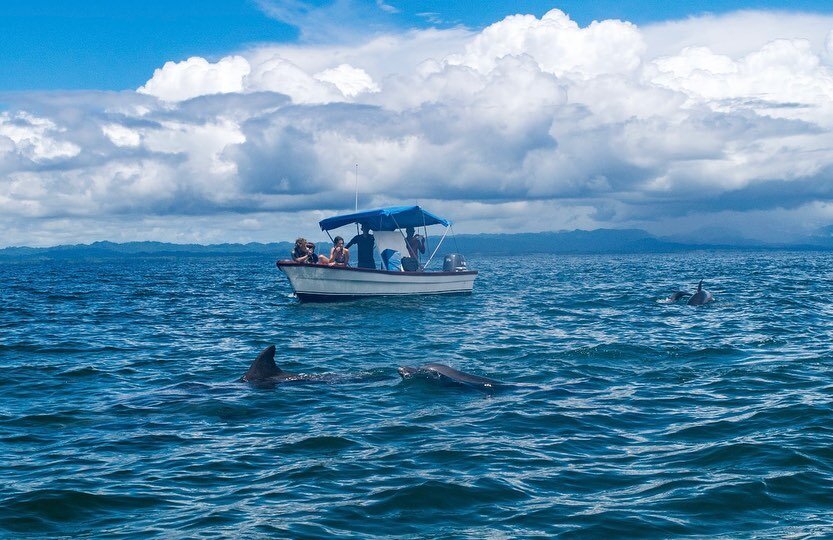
(264, 369)
(450, 376)
(701, 296)
(674, 297)
(264, 372)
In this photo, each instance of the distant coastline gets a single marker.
(612, 241)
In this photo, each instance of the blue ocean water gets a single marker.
(120, 414)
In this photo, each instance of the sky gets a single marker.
(243, 120)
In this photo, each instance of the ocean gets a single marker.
(121, 414)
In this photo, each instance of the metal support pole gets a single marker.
(357, 195)
(437, 248)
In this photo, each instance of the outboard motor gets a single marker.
(454, 262)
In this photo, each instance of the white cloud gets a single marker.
(200, 144)
(827, 53)
(784, 79)
(380, 56)
(115, 187)
(387, 8)
(736, 34)
(197, 77)
(529, 124)
(349, 80)
(177, 81)
(559, 45)
(121, 136)
(37, 139)
(338, 21)
(277, 74)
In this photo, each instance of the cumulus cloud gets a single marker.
(121, 135)
(737, 33)
(280, 75)
(350, 81)
(784, 78)
(35, 138)
(529, 124)
(234, 74)
(177, 81)
(558, 45)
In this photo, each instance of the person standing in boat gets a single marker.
(415, 243)
(366, 243)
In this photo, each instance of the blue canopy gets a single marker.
(385, 219)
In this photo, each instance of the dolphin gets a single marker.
(264, 372)
(450, 376)
(264, 369)
(675, 296)
(700, 297)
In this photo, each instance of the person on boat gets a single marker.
(415, 245)
(414, 242)
(366, 243)
(313, 258)
(304, 252)
(339, 255)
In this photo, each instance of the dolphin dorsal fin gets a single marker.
(264, 366)
(700, 286)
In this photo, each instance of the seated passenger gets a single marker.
(299, 252)
(313, 258)
(304, 252)
(339, 255)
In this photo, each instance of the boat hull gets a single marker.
(320, 283)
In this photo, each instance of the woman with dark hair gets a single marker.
(339, 255)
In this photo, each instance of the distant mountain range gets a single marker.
(577, 242)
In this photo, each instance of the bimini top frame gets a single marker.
(386, 219)
(391, 218)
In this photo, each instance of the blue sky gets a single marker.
(243, 120)
(116, 44)
(55, 44)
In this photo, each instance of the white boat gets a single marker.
(323, 283)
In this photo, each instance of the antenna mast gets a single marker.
(357, 195)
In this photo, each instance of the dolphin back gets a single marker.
(677, 295)
(459, 377)
(406, 372)
(701, 297)
(263, 367)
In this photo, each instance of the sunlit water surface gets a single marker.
(120, 414)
